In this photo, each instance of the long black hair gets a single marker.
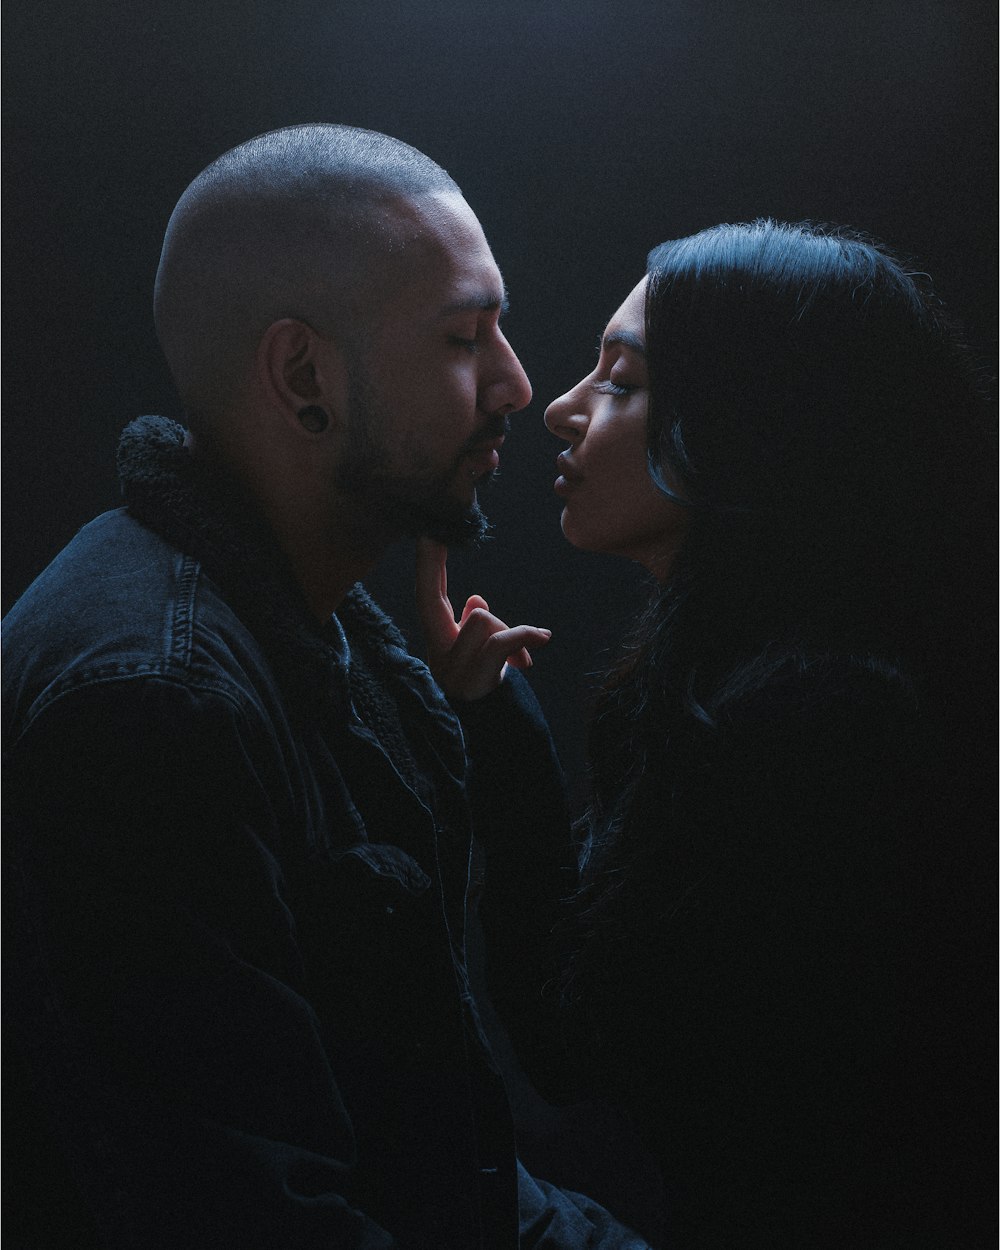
(776, 948)
(813, 405)
(814, 408)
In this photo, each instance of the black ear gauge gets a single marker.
(313, 418)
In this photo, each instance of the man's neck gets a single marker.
(324, 569)
(326, 558)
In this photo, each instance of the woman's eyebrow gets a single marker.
(624, 337)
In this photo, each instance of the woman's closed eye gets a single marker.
(606, 387)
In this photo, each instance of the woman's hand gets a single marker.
(467, 657)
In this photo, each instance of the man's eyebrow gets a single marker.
(488, 301)
(626, 338)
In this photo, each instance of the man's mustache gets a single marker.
(497, 426)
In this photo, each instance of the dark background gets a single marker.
(582, 133)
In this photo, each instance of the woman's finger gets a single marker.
(478, 627)
(471, 604)
(511, 642)
(484, 634)
(437, 616)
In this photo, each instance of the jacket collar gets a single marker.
(209, 517)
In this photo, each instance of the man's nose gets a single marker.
(507, 388)
(519, 386)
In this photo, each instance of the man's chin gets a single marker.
(431, 512)
(445, 521)
(466, 528)
(462, 526)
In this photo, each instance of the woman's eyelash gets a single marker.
(607, 387)
(471, 344)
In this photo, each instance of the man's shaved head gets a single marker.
(301, 222)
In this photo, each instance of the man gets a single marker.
(241, 825)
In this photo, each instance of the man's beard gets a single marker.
(420, 504)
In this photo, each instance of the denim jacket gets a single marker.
(240, 861)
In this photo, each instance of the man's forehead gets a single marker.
(450, 282)
(438, 262)
(437, 223)
(429, 222)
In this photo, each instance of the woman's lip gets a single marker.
(567, 478)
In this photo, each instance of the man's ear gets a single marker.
(298, 368)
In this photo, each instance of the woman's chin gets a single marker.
(577, 537)
(569, 529)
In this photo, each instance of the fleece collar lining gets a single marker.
(210, 518)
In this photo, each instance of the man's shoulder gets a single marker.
(118, 603)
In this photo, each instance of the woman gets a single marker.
(773, 956)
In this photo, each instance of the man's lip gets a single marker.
(486, 453)
(483, 447)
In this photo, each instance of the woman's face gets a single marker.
(611, 504)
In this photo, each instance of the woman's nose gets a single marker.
(564, 417)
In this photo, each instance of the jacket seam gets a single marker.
(182, 633)
(140, 672)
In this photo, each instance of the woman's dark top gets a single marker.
(786, 983)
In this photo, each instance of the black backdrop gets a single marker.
(582, 131)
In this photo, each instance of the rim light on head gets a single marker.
(656, 474)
